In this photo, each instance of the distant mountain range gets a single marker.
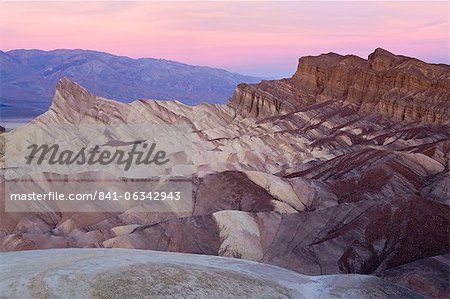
(28, 79)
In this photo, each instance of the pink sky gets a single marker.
(263, 38)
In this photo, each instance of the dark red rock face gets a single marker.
(300, 173)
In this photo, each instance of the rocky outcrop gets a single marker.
(394, 86)
(256, 102)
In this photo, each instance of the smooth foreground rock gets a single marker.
(120, 273)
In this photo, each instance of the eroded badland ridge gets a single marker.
(343, 168)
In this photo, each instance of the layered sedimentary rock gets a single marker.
(394, 86)
(314, 183)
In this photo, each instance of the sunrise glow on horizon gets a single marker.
(262, 39)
